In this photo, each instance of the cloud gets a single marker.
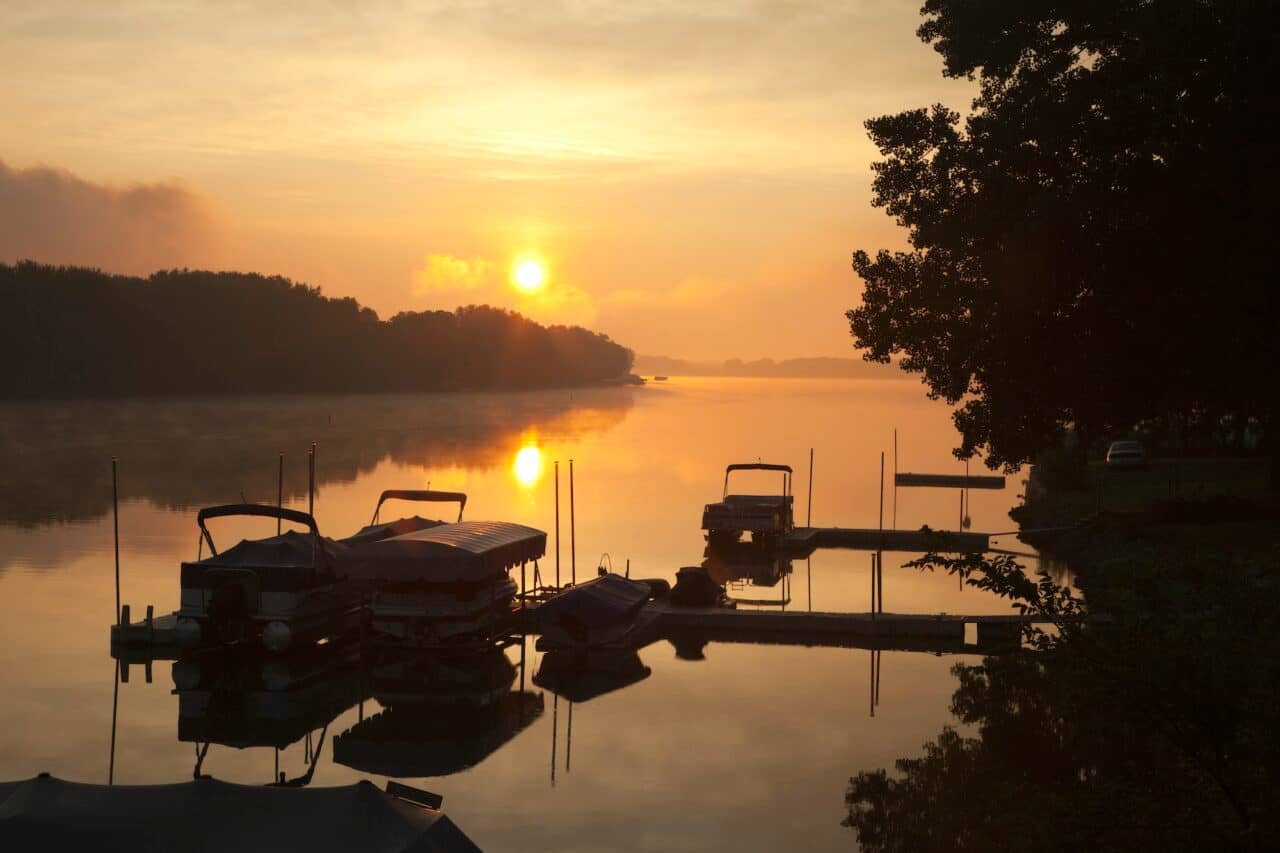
(54, 216)
(445, 274)
(447, 282)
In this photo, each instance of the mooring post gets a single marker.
(880, 550)
(873, 586)
(115, 527)
(280, 490)
(808, 516)
(895, 478)
(573, 540)
(557, 524)
(115, 705)
(311, 481)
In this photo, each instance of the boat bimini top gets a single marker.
(283, 561)
(758, 466)
(466, 552)
(376, 529)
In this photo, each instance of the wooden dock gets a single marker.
(805, 540)
(155, 639)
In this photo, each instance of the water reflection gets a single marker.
(180, 454)
(527, 466)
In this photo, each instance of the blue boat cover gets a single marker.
(601, 602)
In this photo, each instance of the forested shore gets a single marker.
(79, 332)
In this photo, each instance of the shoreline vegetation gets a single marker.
(767, 368)
(1145, 717)
(75, 332)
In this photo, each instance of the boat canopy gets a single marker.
(45, 813)
(759, 466)
(465, 552)
(427, 495)
(388, 529)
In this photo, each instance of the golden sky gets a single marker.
(692, 176)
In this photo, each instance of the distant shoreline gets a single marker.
(765, 368)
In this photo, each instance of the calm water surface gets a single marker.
(749, 748)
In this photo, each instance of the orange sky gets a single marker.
(693, 174)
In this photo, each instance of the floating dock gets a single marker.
(805, 540)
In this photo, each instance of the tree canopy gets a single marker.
(68, 332)
(1090, 246)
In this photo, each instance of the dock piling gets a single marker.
(311, 481)
(808, 516)
(557, 524)
(573, 541)
(115, 526)
(280, 490)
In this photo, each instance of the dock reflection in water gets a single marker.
(639, 493)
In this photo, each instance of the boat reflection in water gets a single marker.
(739, 566)
(256, 700)
(443, 713)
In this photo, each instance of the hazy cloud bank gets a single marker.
(54, 216)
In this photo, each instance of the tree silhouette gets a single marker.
(74, 332)
(1091, 245)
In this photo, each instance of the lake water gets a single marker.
(749, 748)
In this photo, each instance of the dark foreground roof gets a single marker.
(45, 813)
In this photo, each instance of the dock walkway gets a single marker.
(808, 539)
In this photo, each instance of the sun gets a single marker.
(529, 274)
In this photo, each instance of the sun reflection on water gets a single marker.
(527, 466)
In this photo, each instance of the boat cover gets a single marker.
(388, 529)
(410, 742)
(464, 552)
(601, 602)
(45, 813)
(289, 559)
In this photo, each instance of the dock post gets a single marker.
(880, 550)
(311, 481)
(557, 524)
(573, 540)
(115, 526)
(808, 516)
(895, 478)
(280, 490)
(115, 705)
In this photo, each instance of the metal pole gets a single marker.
(573, 541)
(895, 478)
(808, 517)
(115, 526)
(280, 490)
(311, 481)
(555, 725)
(115, 704)
(880, 550)
(557, 524)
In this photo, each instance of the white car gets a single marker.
(1126, 454)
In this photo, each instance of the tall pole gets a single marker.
(115, 526)
(115, 704)
(573, 541)
(895, 478)
(557, 524)
(311, 481)
(280, 491)
(808, 518)
(880, 550)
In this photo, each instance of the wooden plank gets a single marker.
(950, 481)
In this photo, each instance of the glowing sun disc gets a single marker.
(527, 466)
(529, 275)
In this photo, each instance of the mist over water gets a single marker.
(750, 748)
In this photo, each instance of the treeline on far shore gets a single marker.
(77, 332)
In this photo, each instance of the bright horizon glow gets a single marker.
(527, 466)
(529, 274)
